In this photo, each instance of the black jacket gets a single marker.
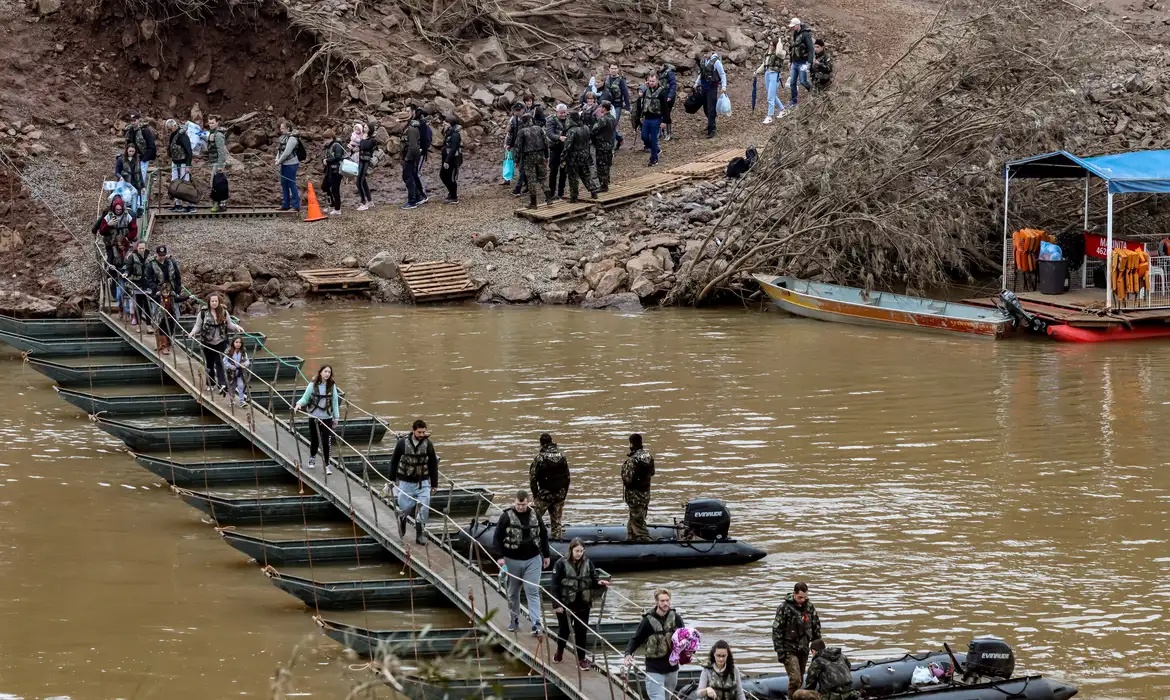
(453, 146)
(432, 461)
(179, 138)
(143, 139)
(802, 42)
(366, 148)
(659, 664)
(334, 154)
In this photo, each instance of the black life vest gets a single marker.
(517, 533)
(413, 465)
(211, 332)
(576, 583)
(707, 72)
(212, 148)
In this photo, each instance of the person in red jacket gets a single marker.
(118, 230)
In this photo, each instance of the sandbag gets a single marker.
(694, 101)
(184, 190)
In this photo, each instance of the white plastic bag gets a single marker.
(348, 167)
(723, 106)
(197, 136)
(922, 676)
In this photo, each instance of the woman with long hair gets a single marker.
(236, 363)
(320, 400)
(211, 329)
(720, 679)
(574, 579)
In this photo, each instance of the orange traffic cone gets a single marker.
(315, 213)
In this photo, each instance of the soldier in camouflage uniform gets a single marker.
(577, 158)
(830, 677)
(636, 473)
(532, 147)
(603, 130)
(548, 477)
(794, 629)
(822, 66)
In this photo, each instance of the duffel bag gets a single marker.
(694, 101)
(184, 190)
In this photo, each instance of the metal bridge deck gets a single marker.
(454, 576)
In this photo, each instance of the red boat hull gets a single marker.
(1070, 334)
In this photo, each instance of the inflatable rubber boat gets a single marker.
(700, 539)
(985, 672)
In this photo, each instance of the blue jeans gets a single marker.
(658, 684)
(772, 90)
(650, 128)
(798, 69)
(145, 171)
(525, 574)
(410, 493)
(290, 196)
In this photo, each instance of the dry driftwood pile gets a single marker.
(898, 183)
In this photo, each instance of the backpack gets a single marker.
(300, 152)
(739, 166)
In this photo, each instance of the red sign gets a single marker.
(1095, 245)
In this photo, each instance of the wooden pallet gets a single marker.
(337, 279)
(700, 169)
(231, 213)
(436, 280)
(723, 156)
(560, 210)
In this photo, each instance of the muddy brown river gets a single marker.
(928, 489)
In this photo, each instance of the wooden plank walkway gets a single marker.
(337, 279)
(231, 213)
(436, 280)
(454, 576)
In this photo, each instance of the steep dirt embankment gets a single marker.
(94, 63)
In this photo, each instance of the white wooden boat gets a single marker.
(833, 302)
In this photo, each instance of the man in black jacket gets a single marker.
(655, 631)
(522, 540)
(452, 158)
(411, 157)
(426, 138)
(800, 53)
(139, 133)
(556, 128)
(414, 473)
(179, 151)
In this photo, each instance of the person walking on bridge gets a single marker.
(794, 629)
(574, 580)
(548, 477)
(637, 471)
(414, 473)
(522, 540)
(321, 400)
(656, 631)
(211, 329)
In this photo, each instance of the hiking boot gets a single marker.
(604, 188)
(420, 534)
(312, 462)
(593, 193)
(402, 525)
(532, 204)
(190, 210)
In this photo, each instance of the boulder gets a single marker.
(643, 262)
(610, 281)
(441, 83)
(25, 306)
(243, 300)
(483, 239)
(423, 65)
(48, 7)
(486, 53)
(233, 287)
(444, 107)
(626, 301)
(349, 261)
(383, 265)
(611, 44)
(554, 296)
(467, 114)
(594, 271)
(257, 308)
(664, 257)
(254, 138)
(483, 96)
(271, 288)
(516, 293)
(241, 274)
(644, 288)
(376, 78)
(370, 97)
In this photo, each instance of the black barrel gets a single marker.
(1053, 276)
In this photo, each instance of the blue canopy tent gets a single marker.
(1123, 173)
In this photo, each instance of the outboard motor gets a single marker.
(707, 518)
(1009, 303)
(989, 657)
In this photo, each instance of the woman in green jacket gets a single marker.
(320, 402)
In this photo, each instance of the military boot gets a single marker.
(532, 199)
(420, 535)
